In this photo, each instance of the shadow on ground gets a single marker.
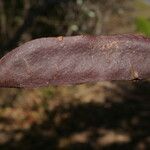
(92, 126)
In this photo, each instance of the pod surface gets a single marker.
(76, 59)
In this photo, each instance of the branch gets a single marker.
(76, 59)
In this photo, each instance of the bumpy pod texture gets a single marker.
(76, 59)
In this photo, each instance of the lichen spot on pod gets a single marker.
(60, 38)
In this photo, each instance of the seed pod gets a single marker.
(76, 59)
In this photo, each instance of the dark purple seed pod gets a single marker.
(76, 59)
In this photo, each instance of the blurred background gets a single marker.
(101, 116)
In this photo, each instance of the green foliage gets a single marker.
(143, 25)
(47, 93)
